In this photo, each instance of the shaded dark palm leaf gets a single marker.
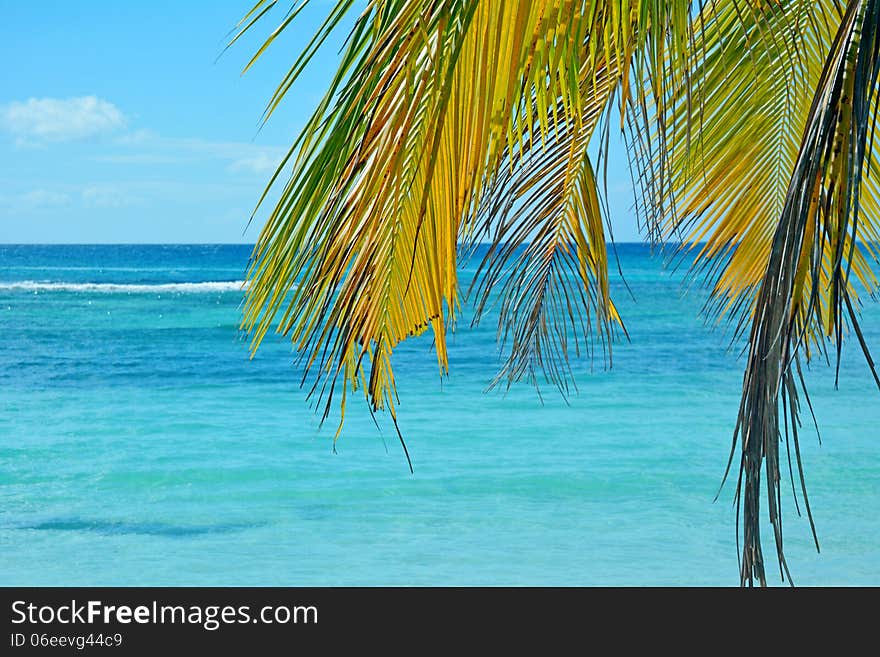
(806, 289)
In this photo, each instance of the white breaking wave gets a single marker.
(122, 288)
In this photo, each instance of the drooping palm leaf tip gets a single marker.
(750, 126)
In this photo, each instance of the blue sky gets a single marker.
(118, 122)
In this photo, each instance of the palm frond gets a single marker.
(730, 165)
(432, 99)
(736, 144)
(806, 289)
(546, 266)
(750, 124)
(543, 209)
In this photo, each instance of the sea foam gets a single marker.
(124, 288)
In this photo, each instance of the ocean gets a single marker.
(140, 445)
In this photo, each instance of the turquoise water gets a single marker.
(140, 446)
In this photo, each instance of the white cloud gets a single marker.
(144, 147)
(45, 198)
(43, 120)
(259, 163)
(95, 196)
(105, 196)
(137, 137)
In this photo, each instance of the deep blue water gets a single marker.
(139, 445)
